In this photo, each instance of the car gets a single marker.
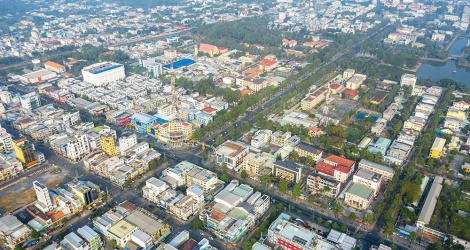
(202, 233)
(211, 238)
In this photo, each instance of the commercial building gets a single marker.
(91, 237)
(437, 148)
(287, 170)
(30, 101)
(72, 241)
(290, 236)
(108, 144)
(121, 232)
(38, 76)
(186, 173)
(103, 73)
(13, 231)
(341, 240)
(322, 184)
(279, 138)
(153, 188)
(43, 202)
(336, 167)
(261, 138)
(364, 188)
(174, 132)
(253, 164)
(233, 211)
(390, 112)
(408, 80)
(24, 151)
(348, 73)
(430, 202)
(307, 150)
(6, 144)
(143, 122)
(356, 81)
(126, 141)
(314, 98)
(10, 167)
(386, 172)
(55, 67)
(231, 153)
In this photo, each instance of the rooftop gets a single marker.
(360, 190)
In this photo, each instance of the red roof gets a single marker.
(57, 216)
(461, 102)
(343, 169)
(53, 65)
(314, 129)
(339, 160)
(206, 47)
(325, 168)
(335, 86)
(350, 93)
(217, 215)
(180, 27)
(208, 110)
(222, 48)
(267, 62)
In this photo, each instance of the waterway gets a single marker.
(440, 70)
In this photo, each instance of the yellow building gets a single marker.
(437, 148)
(456, 113)
(24, 151)
(108, 144)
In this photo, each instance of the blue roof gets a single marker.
(143, 118)
(181, 63)
(106, 69)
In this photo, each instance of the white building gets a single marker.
(231, 153)
(103, 73)
(5, 97)
(153, 188)
(44, 202)
(6, 144)
(30, 101)
(78, 147)
(126, 142)
(408, 80)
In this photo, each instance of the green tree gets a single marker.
(219, 140)
(352, 216)
(337, 208)
(197, 223)
(343, 228)
(224, 167)
(244, 174)
(434, 246)
(113, 243)
(266, 179)
(224, 177)
(35, 234)
(283, 186)
(358, 236)
(296, 191)
(412, 236)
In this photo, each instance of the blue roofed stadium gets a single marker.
(181, 63)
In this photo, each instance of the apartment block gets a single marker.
(231, 153)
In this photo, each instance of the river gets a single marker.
(440, 70)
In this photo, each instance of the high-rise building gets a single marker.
(30, 101)
(44, 202)
(24, 151)
(408, 80)
(103, 73)
(108, 144)
(6, 144)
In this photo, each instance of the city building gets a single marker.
(103, 73)
(356, 81)
(24, 151)
(307, 150)
(91, 237)
(341, 240)
(287, 170)
(314, 98)
(38, 76)
(279, 138)
(408, 80)
(233, 211)
(13, 231)
(429, 205)
(10, 167)
(174, 132)
(231, 153)
(322, 184)
(261, 138)
(121, 232)
(386, 172)
(253, 164)
(43, 202)
(364, 188)
(108, 144)
(30, 101)
(348, 73)
(335, 166)
(143, 122)
(6, 143)
(437, 148)
(291, 236)
(55, 67)
(72, 241)
(153, 188)
(126, 141)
